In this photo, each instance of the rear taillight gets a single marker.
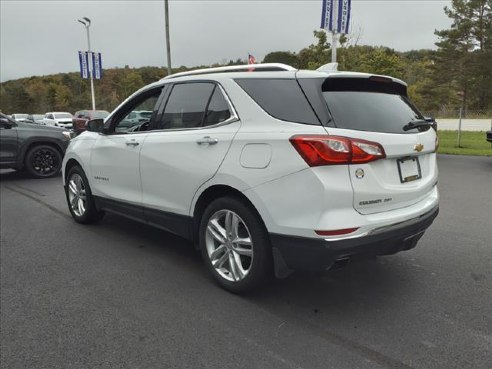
(319, 150)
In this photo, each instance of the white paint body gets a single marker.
(168, 170)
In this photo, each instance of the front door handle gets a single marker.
(207, 140)
(132, 143)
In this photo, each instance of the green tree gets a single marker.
(62, 98)
(368, 59)
(285, 57)
(315, 55)
(15, 98)
(131, 82)
(463, 63)
(38, 93)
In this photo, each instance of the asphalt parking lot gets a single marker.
(124, 295)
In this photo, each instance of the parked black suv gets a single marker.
(39, 149)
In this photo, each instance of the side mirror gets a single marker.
(94, 125)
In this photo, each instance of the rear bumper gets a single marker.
(314, 254)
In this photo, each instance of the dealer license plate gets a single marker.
(409, 169)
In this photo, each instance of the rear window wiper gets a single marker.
(420, 123)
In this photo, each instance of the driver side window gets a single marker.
(137, 113)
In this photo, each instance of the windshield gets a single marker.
(99, 114)
(63, 116)
(20, 116)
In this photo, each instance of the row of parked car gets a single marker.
(66, 120)
(37, 142)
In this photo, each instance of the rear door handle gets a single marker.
(132, 143)
(207, 140)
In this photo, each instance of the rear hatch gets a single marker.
(377, 109)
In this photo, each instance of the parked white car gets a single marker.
(265, 167)
(20, 117)
(60, 119)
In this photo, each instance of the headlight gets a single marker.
(67, 135)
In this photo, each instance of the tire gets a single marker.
(237, 266)
(43, 161)
(79, 197)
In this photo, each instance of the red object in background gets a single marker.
(81, 117)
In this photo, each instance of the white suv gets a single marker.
(265, 167)
(59, 119)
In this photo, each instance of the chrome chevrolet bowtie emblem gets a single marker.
(418, 147)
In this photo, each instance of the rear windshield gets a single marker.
(366, 105)
(371, 111)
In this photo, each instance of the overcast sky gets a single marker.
(42, 37)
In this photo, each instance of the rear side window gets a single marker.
(281, 98)
(217, 110)
(186, 106)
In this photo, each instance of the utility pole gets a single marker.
(87, 23)
(168, 43)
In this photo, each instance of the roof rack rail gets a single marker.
(266, 67)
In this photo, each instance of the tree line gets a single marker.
(457, 74)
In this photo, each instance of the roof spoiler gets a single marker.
(330, 67)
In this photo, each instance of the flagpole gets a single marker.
(168, 42)
(333, 47)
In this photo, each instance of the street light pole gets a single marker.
(87, 23)
(168, 46)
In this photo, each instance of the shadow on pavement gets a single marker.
(9, 175)
(361, 285)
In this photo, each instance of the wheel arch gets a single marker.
(212, 193)
(29, 145)
(69, 165)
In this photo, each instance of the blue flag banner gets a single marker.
(335, 15)
(327, 15)
(344, 7)
(96, 66)
(84, 64)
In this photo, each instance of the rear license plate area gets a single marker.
(409, 169)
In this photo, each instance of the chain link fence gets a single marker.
(462, 121)
(455, 114)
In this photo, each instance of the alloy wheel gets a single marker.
(229, 245)
(77, 195)
(45, 162)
